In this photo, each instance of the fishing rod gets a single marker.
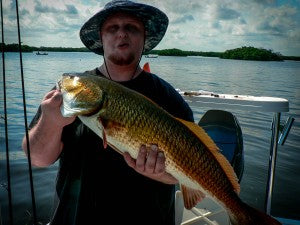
(25, 120)
(5, 122)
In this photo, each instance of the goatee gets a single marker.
(121, 60)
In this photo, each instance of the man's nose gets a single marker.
(122, 32)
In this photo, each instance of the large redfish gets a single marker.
(125, 120)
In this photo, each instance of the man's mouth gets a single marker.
(123, 45)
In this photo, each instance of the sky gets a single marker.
(197, 25)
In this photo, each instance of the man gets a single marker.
(94, 182)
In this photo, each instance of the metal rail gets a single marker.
(272, 161)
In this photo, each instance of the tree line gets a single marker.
(26, 48)
(178, 52)
(243, 53)
(251, 53)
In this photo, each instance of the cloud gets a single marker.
(223, 13)
(184, 19)
(265, 2)
(71, 9)
(177, 7)
(47, 23)
(277, 21)
(10, 11)
(44, 8)
(267, 27)
(242, 21)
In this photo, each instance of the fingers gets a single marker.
(141, 159)
(160, 163)
(149, 160)
(155, 162)
(129, 160)
(51, 113)
(54, 97)
(49, 94)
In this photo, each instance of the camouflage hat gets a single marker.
(155, 22)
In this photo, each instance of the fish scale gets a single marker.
(144, 133)
(126, 120)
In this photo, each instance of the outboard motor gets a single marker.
(223, 127)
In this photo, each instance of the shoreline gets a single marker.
(243, 53)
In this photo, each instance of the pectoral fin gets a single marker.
(103, 133)
(111, 129)
(104, 139)
(191, 196)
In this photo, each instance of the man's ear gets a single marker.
(99, 33)
(145, 35)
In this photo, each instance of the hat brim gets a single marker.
(155, 22)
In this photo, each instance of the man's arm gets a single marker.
(45, 137)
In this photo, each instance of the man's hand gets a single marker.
(150, 163)
(45, 136)
(51, 110)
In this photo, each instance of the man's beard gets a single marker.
(121, 60)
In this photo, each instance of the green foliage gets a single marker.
(251, 53)
(169, 52)
(243, 53)
(206, 54)
(26, 48)
(178, 52)
(61, 49)
(15, 48)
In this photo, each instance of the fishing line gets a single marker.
(25, 120)
(5, 123)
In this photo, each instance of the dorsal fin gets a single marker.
(209, 143)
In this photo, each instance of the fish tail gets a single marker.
(251, 216)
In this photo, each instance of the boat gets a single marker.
(151, 56)
(41, 53)
(224, 129)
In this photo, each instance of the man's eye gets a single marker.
(131, 28)
(112, 29)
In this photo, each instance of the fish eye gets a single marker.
(71, 77)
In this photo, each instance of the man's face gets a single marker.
(122, 36)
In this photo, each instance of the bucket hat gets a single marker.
(155, 22)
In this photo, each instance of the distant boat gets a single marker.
(151, 56)
(41, 53)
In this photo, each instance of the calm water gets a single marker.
(278, 79)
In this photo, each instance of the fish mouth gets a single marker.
(58, 85)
